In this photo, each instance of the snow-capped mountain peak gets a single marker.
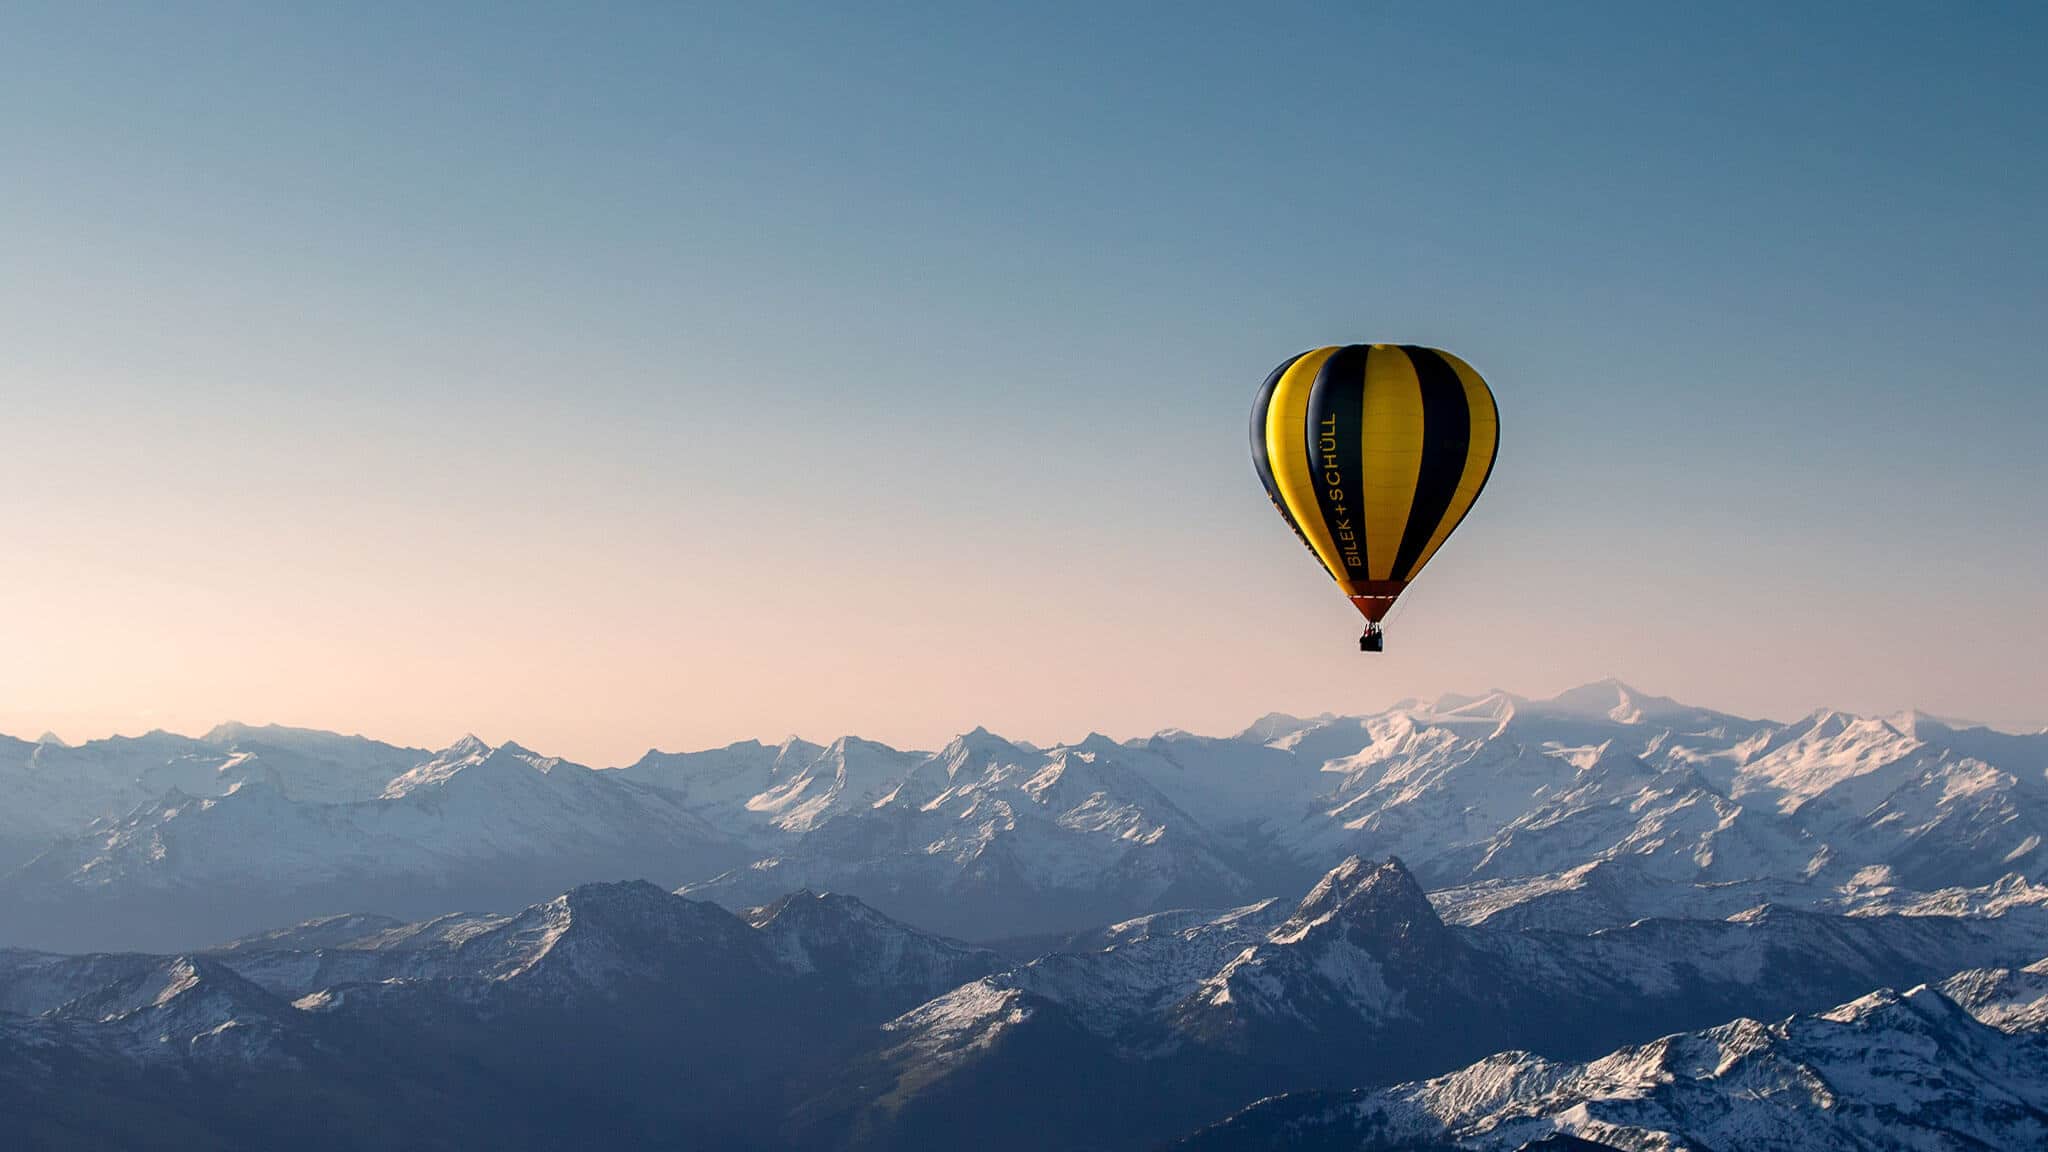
(1886, 1070)
(1336, 957)
(467, 747)
(1610, 699)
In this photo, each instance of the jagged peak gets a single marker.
(469, 745)
(51, 740)
(979, 741)
(1093, 744)
(176, 980)
(460, 759)
(1919, 1008)
(1832, 723)
(850, 747)
(796, 746)
(1381, 897)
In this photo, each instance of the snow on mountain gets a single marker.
(1887, 1070)
(819, 1013)
(588, 940)
(1499, 787)
(1362, 974)
(1253, 788)
(590, 1014)
(345, 930)
(1359, 982)
(607, 1012)
(825, 932)
(470, 827)
(1470, 790)
(1857, 758)
(106, 777)
(1365, 957)
(592, 939)
(1613, 701)
(2011, 1000)
(1593, 808)
(719, 784)
(1328, 965)
(314, 766)
(850, 775)
(988, 838)
(188, 1008)
(1134, 971)
(1610, 893)
(53, 789)
(32, 983)
(789, 789)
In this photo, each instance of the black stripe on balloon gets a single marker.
(1446, 440)
(1260, 461)
(1336, 453)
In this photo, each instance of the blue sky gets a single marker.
(624, 375)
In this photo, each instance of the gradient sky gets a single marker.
(606, 376)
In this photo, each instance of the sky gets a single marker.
(620, 376)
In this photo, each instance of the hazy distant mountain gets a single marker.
(470, 827)
(987, 838)
(1594, 808)
(1681, 806)
(49, 789)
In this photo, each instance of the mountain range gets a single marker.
(616, 1012)
(1595, 807)
(1957, 1064)
(1603, 920)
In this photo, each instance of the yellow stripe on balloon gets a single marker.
(1393, 454)
(1287, 451)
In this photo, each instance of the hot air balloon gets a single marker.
(1373, 453)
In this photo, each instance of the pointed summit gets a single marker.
(977, 744)
(1376, 904)
(1613, 700)
(444, 765)
(469, 745)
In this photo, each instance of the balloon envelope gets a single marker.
(1373, 453)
